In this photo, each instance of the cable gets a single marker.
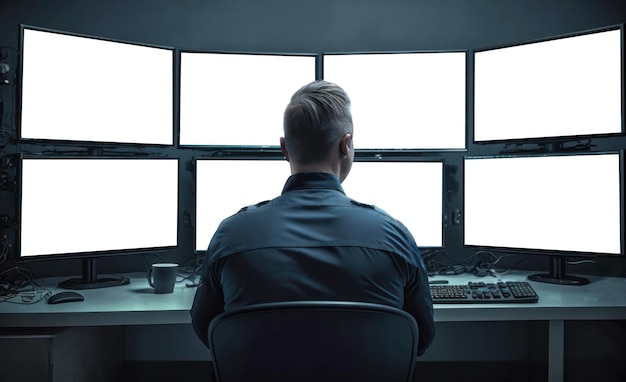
(434, 266)
(23, 289)
(197, 260)
(481, 263)
(578, 262)
(4, 251)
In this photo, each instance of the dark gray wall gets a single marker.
(299, 26)
(313, 26)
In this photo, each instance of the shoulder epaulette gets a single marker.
(359, 204)
(254, 206)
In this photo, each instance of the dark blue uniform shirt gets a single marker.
(313, 243)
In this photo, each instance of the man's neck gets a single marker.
(317, 167)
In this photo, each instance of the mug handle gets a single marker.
(150, 277)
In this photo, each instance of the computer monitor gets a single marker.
(563, 87)
(91, 207)
(236, 99)
(403, 101)
(411, 192)
(75, 88)
(224, 186)
(557, 205)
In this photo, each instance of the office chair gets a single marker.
(314, 341)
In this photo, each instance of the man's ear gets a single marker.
(283, 148)
(345, 144)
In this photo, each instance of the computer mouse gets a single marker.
(67, 296)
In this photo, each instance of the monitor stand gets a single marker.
(90, 279)
(557, 274)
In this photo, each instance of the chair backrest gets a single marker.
(314, 341)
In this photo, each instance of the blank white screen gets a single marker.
(411, 192)
(238, 99)
(564, 87)
(223, 187)
(85, 89)
(87, 205)
(403, 100)
(566, 203)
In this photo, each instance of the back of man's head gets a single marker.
(316, 119)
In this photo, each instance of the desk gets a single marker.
(135, 304)
(132, 304)
(603, 299)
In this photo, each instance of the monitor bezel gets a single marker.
(559, 139)
(88, 143)
(86, 255)
(553, 252)
(410, 151)
(251, 149)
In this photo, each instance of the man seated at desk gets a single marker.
(313, 242)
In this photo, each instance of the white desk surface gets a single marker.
(136, 304)
(603, 299)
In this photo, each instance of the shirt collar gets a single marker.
(312, 180)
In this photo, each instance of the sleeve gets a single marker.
(208, 301)
(418, 303)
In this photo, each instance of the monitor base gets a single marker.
(557, 274)
(561, 280)
(90, 279)
(103, 282)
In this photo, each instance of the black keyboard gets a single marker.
(484, 293)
